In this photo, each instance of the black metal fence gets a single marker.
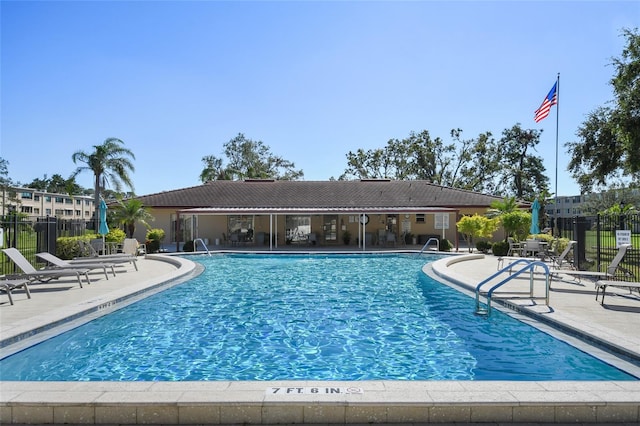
(598, 237)
(33, 235)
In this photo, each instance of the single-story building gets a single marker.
(276, 213)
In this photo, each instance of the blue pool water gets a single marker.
(322, 317)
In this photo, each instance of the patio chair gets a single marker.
(44, 275)
(532, 247)
(514, 247)
(603, 284)
(613, 271)
(59, 263)
(9, 284)
(561, 260)
(132, 247)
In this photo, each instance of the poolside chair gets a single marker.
(91, 255)
(613, 271)
(603, 284)
(514, 247)
(9, 284)
(132, 247)
(44, 275)
(532, 247)
(560, 261)
(59, 263)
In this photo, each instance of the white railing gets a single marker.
(427, 243)
(195, 245)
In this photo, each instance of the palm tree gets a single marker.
(132, 211)
(500, 207)
(110, 163)
(505, 210)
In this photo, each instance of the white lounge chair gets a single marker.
(44, 275)
(60, 263)
(613, 271)
(9, 284)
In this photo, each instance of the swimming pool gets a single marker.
(321, 317)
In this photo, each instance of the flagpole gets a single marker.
(557, 121)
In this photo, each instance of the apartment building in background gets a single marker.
(33, 202)
(568, 206)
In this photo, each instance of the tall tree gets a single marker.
(9, 197)
(56, 184)
(479, 164)
(522, 171)
(248, 159)
(418, 156)
(110, 163)
(481, 168)
(608, 143)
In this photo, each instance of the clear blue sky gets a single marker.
(175, 80)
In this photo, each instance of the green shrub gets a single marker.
(445, 245)
(483, 246)
(501, 248)
(188, 246)
(542, 237)
(155, 234)
(153, 246)
(67, 247)
(115, 235)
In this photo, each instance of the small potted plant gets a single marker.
(346, 237)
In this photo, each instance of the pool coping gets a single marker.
(227, 402)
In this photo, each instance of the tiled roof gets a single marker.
(270, 194)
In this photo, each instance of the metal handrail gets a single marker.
(427, 243)
(530, 266)
(195, 245)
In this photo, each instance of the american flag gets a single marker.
(551, 99)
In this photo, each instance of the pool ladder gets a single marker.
(529, 266)
(427, 243)
(195, 245)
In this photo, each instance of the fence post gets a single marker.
(14, 220)
(580, 235)
(52, 234)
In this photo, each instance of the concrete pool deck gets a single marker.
(572, 306)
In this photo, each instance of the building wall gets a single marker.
(39, 203)
(215, 227)
(568, 206)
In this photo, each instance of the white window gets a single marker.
(441, 221)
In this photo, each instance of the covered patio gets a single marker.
(285, 227)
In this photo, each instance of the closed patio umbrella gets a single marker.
(535, 209)
(103, 227)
